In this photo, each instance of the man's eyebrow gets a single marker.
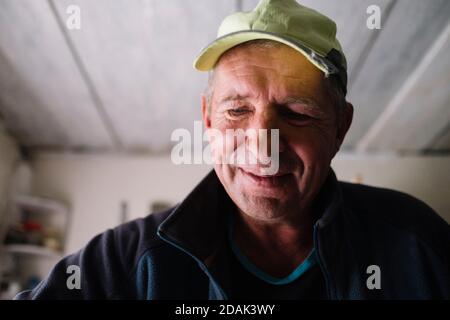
(307, 103)
(303, 101)
(232, 97)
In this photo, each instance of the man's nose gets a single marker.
(264, 124)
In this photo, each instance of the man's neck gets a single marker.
(276, 248)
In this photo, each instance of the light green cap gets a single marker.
(304, 29)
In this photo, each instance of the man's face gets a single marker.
(274, 88)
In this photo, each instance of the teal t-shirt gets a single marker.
(250, 282)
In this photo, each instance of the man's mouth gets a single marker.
(261, 179)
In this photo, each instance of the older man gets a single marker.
(296, 233)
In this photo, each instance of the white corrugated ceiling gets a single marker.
(124, 81)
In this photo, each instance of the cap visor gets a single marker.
(209, 56)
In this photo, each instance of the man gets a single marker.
(297, 233)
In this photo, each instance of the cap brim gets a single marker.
(208, 57)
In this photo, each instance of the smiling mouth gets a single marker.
(264, 180)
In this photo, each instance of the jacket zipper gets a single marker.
(320, 262)
(202, 265)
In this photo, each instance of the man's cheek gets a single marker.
(311, 153)
(312, 142)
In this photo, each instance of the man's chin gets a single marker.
(262, 208)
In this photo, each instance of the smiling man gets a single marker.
(297, 233)
(263, 84)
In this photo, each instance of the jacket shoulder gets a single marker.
(390, 208)
(105, 264)
(134, 238)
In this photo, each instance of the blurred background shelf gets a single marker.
(32, 239)
(31, 250)
(40, 204)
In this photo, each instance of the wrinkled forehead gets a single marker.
(276, 69)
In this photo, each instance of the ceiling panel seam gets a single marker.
(411, 81)
(238, 5)
(436, 139)
(104, 117)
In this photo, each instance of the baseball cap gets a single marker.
(306, 30)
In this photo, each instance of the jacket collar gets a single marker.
(198, 224)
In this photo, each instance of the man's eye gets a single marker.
(297, 117)
(237, 112)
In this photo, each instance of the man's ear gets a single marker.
(344, 125)
(205, 113)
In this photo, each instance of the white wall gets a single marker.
(9, 158)
(427, 178)
(96, 184)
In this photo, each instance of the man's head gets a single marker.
(268, 84)
(260, 86)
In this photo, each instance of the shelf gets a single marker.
(31, 250)
(40, 204)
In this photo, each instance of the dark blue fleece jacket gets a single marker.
(180, 253)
